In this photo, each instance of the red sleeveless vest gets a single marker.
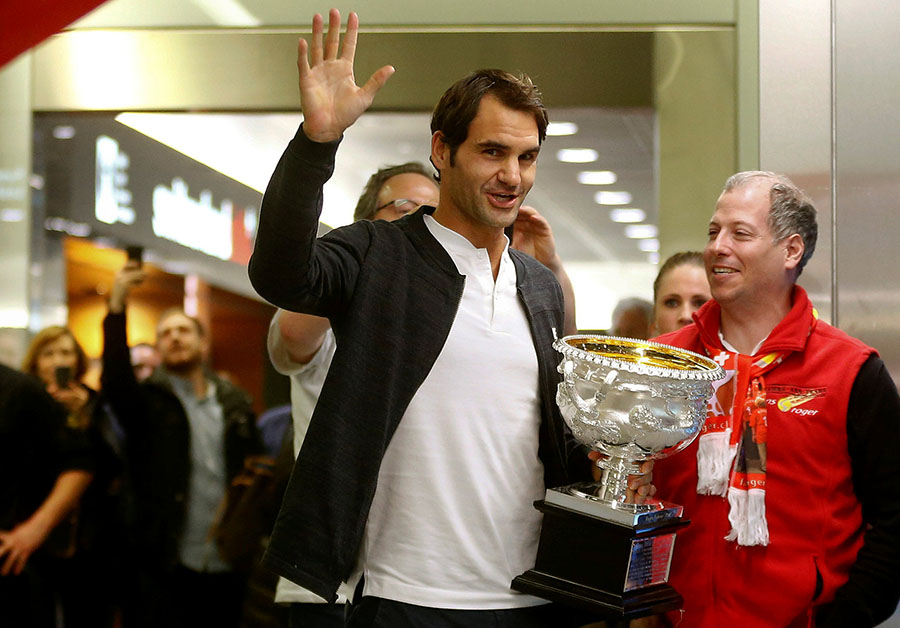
(814, 518)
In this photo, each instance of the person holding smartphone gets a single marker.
(44, 476)
(84, 554)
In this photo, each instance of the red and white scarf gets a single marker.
(731, 455)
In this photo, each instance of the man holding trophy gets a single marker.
(792, 487)
(436, 428)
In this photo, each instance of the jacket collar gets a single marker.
(414, 225)
(790, 334)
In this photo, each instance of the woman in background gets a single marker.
(679, 291)
(84, 556)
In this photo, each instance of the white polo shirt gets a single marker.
(452, 520)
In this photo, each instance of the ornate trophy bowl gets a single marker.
(632, 400)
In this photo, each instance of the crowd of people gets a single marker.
(423, 421)
(108, 520)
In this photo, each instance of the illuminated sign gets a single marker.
(194, 223)
(112, 200)
(222, 231)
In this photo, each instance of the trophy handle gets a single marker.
(587, 406)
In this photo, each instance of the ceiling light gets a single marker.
(597, 177)
(562, 128)
(612, 198)
(650, 245)
(641, 231)
(577, 155)
(627, 214)
(12, 214)
(63, 132)
(228, 13)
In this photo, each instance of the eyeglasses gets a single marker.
(400, 203)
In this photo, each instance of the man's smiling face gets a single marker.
(744, 263)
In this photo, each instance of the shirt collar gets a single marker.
(728, 346)
(456, 244)
(184, 387)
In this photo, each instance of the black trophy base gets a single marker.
(612, 569)
(650, 600)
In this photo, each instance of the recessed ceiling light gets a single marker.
(577, 155)
(641, 231)
(612, 198)
(650, 245)
(63, 132)
(597, 177)
(12, 214)
(627, 214)
(562, 128)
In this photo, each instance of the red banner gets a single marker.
(26, 23)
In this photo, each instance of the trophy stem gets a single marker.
(614, 481)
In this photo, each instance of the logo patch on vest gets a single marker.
(794, 397)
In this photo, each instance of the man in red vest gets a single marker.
(792, 487)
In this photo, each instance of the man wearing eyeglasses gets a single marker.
(393, 192)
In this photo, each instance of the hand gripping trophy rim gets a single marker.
(649, 401)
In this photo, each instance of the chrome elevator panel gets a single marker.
(867, 173)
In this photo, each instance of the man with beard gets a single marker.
(188, 432)
(436, 428)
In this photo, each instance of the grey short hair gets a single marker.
(790, 209)
(367, 206)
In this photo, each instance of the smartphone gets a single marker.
(135, 253)
(63, 376)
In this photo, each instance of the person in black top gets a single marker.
(43, 473)
(87, 569)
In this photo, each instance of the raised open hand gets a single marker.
(329, 96)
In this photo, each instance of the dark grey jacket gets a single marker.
(158, 443)
(391, 293)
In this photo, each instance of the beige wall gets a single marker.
(695, 100)
(15, 200)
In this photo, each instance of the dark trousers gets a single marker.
(316, 616)
(184, 598)
(25, 601)
(373, 612)
(86, 589)
(207, 599)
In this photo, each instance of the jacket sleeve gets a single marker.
(872, 591)
(289, 267)
(118, 382)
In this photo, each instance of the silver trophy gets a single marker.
(632, 400)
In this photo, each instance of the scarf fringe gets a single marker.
(747, 515)
(715, 457)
